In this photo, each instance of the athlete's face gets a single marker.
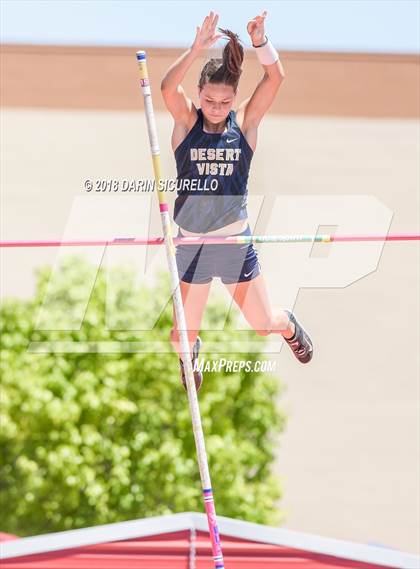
(216, 101)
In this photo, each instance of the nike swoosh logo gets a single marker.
(231, 140)
(247, 274)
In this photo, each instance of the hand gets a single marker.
(255, 29)
(205, 36)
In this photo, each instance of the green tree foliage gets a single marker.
(96, 436)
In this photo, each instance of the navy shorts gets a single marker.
(232, 263)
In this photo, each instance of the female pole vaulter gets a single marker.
(213, 147)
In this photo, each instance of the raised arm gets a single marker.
(252, 110)
(176, 101)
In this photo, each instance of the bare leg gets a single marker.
(194, 298)
(252, 298)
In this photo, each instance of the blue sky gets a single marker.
(338, 25)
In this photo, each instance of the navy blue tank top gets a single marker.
(213, 171)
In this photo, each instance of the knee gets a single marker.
(175, 336)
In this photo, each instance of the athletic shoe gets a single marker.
(198, 376)
(300, 343)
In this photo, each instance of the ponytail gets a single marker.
(228, 69)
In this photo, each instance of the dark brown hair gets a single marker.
(228, 69)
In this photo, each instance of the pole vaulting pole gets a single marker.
(180, 317)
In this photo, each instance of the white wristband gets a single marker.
(266, 53)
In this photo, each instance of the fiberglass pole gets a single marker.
(180, 317)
